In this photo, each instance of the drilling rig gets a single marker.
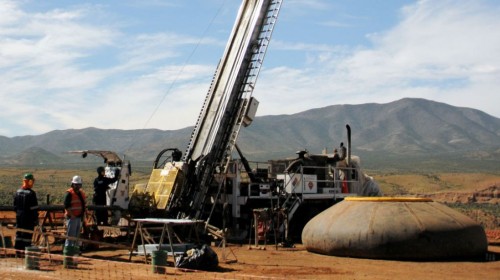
(208, 183)
(182, 187)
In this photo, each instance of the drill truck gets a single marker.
(210, 183)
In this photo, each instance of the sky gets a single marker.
(137, 64)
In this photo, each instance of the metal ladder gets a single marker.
(253, 71)
(229, 121)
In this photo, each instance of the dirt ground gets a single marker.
(244, 262)
(240, 262)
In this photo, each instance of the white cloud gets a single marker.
(282, 45)
(70, 70)
(445, 51)
(47, 75)
(298, 5)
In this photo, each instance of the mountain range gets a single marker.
(395, 135)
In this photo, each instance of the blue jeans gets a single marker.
(73, 229)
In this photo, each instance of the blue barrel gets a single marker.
(32, 257)
(69, 252)
(159, 261)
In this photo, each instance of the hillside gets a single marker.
(397, 134)
(408, 126)
(32, 156)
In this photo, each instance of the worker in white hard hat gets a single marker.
(74, 207)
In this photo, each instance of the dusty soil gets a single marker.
(480, 205)
(240, 262)
(244, 262)
(490, 195)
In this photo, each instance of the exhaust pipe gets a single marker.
(348, 160)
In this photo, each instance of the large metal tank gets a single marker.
(394, 228)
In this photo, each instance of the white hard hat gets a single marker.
(76, 180)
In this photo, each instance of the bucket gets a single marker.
(69, 252)
(32, 257)
(159, 261)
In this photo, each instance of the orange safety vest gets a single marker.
(76, 207)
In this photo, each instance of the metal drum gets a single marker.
(32, 257)
(159, 261)
(394, 228)
(70, 253)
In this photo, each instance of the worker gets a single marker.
(26, 207)
(74, 207)
(343, 151)
(101, 185)
(302, 164)
(342, 168)
(334, 173)
(333, 160)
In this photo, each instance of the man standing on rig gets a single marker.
(26, 207)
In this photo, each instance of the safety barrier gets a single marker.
(51, 266)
